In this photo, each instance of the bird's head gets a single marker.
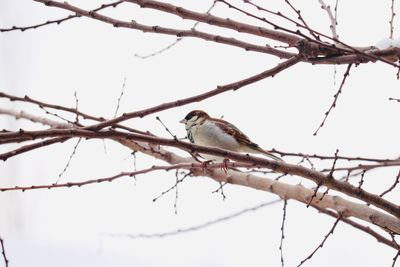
(194, 117)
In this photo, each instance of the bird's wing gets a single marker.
(233, 131)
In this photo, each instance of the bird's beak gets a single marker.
(183, 121)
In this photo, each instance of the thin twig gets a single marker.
(365, 229)
(362, 179)
(3, 252)
(197, 227)
(178, 181)
(300, 17)
(335, 96)
(120, 97)
(221, 189)
(323, 157)
(166, 128)
(283, 231)
(69, 160)
(177, 40)
(41, 105)
(392, 20)
(76, 107)
(393, 186)
(57, 21)
(323, 241)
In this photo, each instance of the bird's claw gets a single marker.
(224, 165)
(204, 165)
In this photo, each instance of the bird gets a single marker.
(211, 132)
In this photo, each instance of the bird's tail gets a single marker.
(266, 153)
(269, 154)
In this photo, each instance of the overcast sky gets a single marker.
(66, 227)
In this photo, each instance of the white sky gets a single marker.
(62, 227)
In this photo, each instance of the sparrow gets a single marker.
(206, 131)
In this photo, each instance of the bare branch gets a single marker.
(314, 48)
(121, 175)
(27, 99)
(36, 119)
(57, 21)
(332, 18)
(282, 167)
(197, 98)
(182, 33)
(27, 148)
(323, 157)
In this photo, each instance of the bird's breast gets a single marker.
(209, 134)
